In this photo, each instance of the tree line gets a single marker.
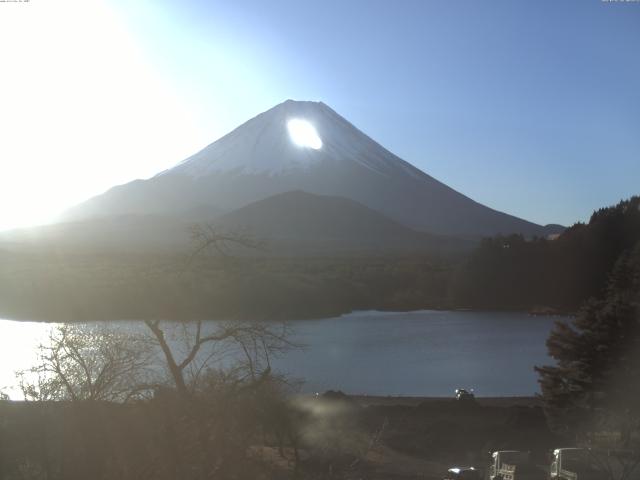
(511, 272)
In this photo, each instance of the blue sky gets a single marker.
(530, 107)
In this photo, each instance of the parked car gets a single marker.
(464, 395)
(514, 465)
(462, 473)
(574, 463)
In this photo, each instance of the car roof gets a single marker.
(461, 469)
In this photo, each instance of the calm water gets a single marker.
(421, 353)
(415, 353)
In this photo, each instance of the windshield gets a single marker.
(575, 460)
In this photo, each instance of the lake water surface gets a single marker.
(428, 353)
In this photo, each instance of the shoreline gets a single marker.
(415, 400)
(530, 313)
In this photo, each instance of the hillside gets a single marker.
(301, 222)
(291, 223)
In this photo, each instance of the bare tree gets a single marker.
(248, 347)
(208, 240)
(249, 344)
(88, 362)
(223, 392)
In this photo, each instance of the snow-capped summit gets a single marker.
(264, 144)
(303, 146)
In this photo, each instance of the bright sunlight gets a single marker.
(81, 109)
(304, 134)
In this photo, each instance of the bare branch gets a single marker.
(207, 239)
(84, 363)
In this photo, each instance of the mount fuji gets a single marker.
(259, 159)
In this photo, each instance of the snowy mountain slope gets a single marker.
(262, 146)
(259, 159)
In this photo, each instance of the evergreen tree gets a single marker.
(595, 384)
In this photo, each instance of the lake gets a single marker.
(425, 353)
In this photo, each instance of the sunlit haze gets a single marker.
(81, 111)
(507, 102)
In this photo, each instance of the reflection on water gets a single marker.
(415, 353)
(18, 350)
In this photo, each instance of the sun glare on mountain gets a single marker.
(304, 134)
